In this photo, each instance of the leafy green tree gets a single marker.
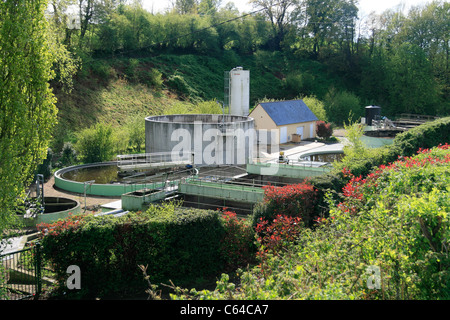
(186, 6)
(410, 81)
(278, 13)
(28, 111)
(316, 106)
(209, 7)
(341, 106)
(95, 144)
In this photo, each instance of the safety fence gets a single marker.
(21, 274)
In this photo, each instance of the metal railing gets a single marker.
(21, 274)
(300, 164)
(225, 183)
(160, 158)
(418, 117)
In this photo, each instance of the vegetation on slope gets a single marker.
(388, 238)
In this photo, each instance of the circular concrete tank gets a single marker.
(55, 208)
(209, 139)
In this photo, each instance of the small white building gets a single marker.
(292, 118)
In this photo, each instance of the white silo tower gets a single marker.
(239, 92)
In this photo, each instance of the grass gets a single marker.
(115, 90)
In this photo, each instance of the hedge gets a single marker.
(405, 144)
(175, 244)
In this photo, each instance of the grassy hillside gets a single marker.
(112, 91)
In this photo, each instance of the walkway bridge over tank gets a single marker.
(146, 161)
(222, 189)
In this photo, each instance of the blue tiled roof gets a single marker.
(288, 112)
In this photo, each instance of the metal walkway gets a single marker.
(145, 161)
(222, 190)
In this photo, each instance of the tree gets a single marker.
(279, 14)
(329, 21)
(86, 12)
(186, 6)
(28, 112)
(323, 130)
(95, 144)
(409, 68)
(341, 106)
(209, 7)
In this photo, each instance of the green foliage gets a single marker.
(173, 243)
(95, 144)
(135, 131)
(68, 155)
(360, 160)
(237, 246)
(427, 135)
(45, 168)
(181, 86)
(300, 83)
(387, 239)
(410, 68)
(316, 106)
(28, 111)
(296, 200)
(341, 106)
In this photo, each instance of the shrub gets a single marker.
(342, 105)
(403, 207)
(45, 168)
(174, 243)
(135, 128)
(95, 144)
(323, 130)
(361, 160)
(296, 200)
(68, 155)
(282, 232)
(427, 135)
(316, 106)
(388, 239)
(237, 245)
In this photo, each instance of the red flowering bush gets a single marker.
(296, 200)
(237, 245)
(279, 234)
(71, 223)
(273, 237)
(357, 187)
(323, 129)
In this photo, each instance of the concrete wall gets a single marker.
(286, 170)
(262, 119)
(108, 190)
(213, 139)
(292, 128)
(53, 216)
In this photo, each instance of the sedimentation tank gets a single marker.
(212, 139)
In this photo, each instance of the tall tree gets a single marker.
(186, 6)
(330, 21)
(279, 14)
(28, 111)
(86, 12)
(410, 81)
(209, 7)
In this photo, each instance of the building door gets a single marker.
(311, 130)
(300, 132)
(283, 135)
